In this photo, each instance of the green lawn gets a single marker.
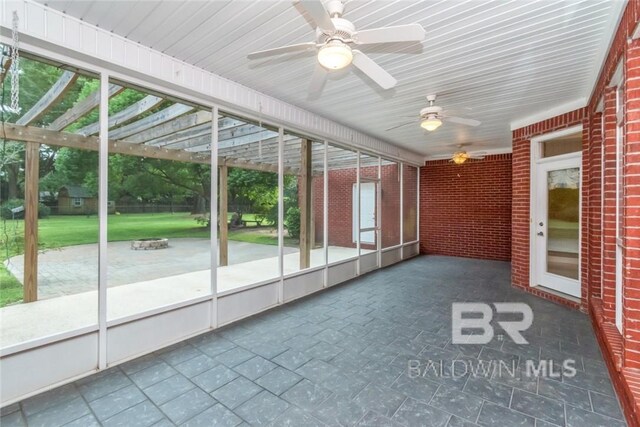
(60, 231)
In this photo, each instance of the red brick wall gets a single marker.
(340, 208)
(465, 210)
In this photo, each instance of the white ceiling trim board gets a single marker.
(549, 113)
(47, 28)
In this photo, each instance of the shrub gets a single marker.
(5, 209)
(292, 221)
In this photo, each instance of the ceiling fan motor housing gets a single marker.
(344, 31)
(432, 110)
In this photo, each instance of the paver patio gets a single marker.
(340, 358)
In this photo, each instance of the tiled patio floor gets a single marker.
(341, 358)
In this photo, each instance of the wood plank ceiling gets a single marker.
(497, 61)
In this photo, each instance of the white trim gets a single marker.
(325, 212)
(67, 41)
(157, 310)
(305, 271)
(610, 33)
(213, 218)
(103, 197)
(535, 160)
(549, 113)
(43, 341)
(281, 214)
(555, 134)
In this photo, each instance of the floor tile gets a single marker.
(107, 406)
(306, 395)
(192, 367)
(296, 417)
(537, 406)
(153, 374)
(380, 399)
(234, 357)
(214, 378)
(418, 414)
(262, 408)
(103, 385)
(453, 401)
(417, 388)
(323, 351)
(142, 415)
(255, 368)
(168, 389)
(606, 405)
(187, 405)
(215, 416)
(278, 380)
(60, 414)
(373, 419)
(498, 416)
(50, 398)
(339, 411)
(489, 390)
(236, 392)
(579, 418)
(291, 359)
(574, 396)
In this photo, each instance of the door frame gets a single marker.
(534, 208)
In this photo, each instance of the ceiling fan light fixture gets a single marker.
(335, 55)
(460, 157)
(431, 123)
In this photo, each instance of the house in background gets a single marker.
(76, 200)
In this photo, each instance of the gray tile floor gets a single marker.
(342, 357)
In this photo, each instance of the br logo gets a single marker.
(483, 322)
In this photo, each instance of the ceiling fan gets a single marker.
(459, 157)
(432, 116)
(335, 36)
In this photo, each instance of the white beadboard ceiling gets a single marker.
(496, 61)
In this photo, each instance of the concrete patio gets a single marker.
(340, 357)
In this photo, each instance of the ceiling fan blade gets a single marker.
(400, 125)
(280, 50)
(398, 33)
(318, 79)
(318, 13)
(460, 120)
(373, 70)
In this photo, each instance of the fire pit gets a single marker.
(149, 244)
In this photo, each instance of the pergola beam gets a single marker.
(131, 112)
(82, 108)
(154, 119)
(189, 122)
(53, 95)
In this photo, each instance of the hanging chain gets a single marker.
(15, 67)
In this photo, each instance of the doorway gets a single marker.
(556, 208)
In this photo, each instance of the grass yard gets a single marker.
(60, 231)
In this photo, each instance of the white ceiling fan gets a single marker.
(335, 36)
(432, 116)
(460, 156)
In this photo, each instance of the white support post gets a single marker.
(358, 211)
(281, 214)
(401, 177)
(325, 213)
(103, 192)
(378, 210)
(214, 219)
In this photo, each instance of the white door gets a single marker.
(557, 225)
(367, 213)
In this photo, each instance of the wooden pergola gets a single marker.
(178, 132)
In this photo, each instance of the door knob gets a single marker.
(540, 233)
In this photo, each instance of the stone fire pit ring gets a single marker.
(149, 244)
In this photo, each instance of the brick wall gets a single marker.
(465, 210)
(340, 218)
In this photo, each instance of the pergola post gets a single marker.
(223, 216)
(304, 202)
(31, 199)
